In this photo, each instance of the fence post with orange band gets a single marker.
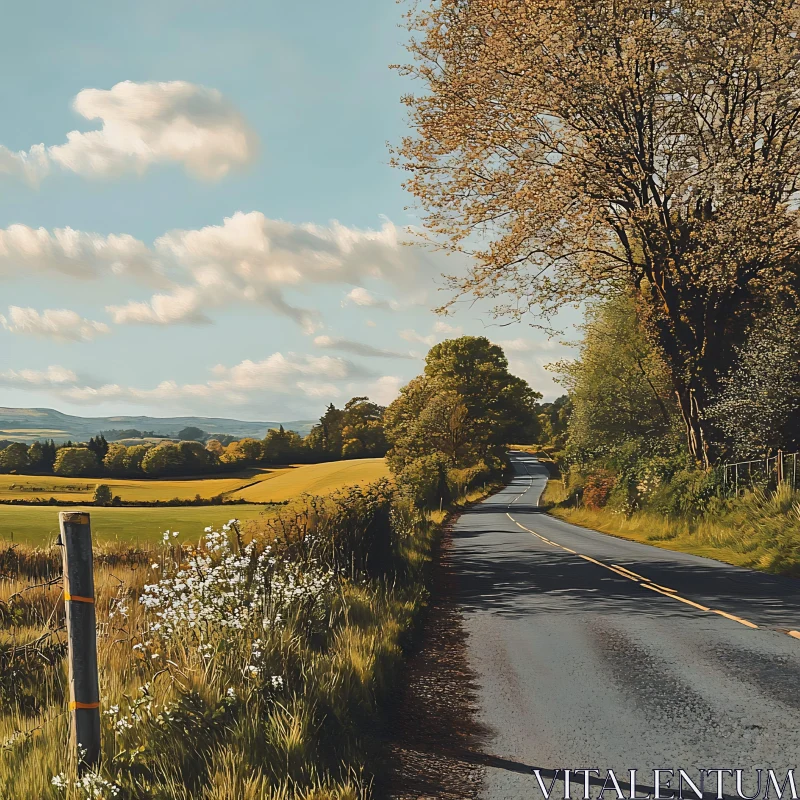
(84, 689)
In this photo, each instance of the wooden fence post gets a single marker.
(779, 465)
(84, 688)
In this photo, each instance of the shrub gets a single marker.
(598, 488)
(102, 494)
(460, 481)
(424, 482)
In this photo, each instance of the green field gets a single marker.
(37, 525)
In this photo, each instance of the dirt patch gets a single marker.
(435, 744)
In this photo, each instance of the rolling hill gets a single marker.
(30, 424)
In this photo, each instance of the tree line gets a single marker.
(354, 431)
(446, 431)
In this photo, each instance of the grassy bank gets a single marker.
(252, 668)
(758, 530)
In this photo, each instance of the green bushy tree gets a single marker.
(14, 458)
(76, 462)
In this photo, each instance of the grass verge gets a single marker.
(758, 530)
(253, 667)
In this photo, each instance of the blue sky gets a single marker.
(221, 234)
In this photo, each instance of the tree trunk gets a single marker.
(694, 425)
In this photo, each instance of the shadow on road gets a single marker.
(505, 570)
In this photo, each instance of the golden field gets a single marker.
(38, 525)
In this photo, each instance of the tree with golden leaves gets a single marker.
(576, 148)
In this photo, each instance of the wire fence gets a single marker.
(778, 469)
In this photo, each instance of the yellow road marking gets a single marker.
(675, 597)
(642, 581)
(630, 572)
(796, 634)
(734, 618)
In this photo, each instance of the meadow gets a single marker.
(38, 525)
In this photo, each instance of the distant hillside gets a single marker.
(30, 424)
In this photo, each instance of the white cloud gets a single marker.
(357, 348)
(53, 376)
(277, 372)
(360, 296)
(166, 391)
(163, 309)
(249, 259)
(75, 254)
(520, 345)
(383, 390)
(411, 335)
(52, 323)
(144, 124)
(443, 327)
(289, 374)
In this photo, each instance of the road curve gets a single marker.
(595, 652)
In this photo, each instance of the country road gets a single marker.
(595, 652)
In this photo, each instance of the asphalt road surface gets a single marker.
(595, 652)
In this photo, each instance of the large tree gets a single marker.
(573, 146)
(466, 406)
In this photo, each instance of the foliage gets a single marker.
(251, 665)
(192, 434)
(553, 420)
(619, 388)
(14, 458)
(356, 431)
(102, 494)
(598, 488)
(466, 406)
(759, 530)
(595, 146)
(76, 462)
(99, 446)
(424, 481)
(758, 407)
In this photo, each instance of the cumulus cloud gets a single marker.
(290, 374)
(359, 296)
(248, 259)
(444, 327)
(520, 345)
(144, 124)
(251, 258)
(278, 372)
(60, 324)
(357, 348)
(383, 390)
(53, 376)
(163, 309)
(410, 335)
(75, 254)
